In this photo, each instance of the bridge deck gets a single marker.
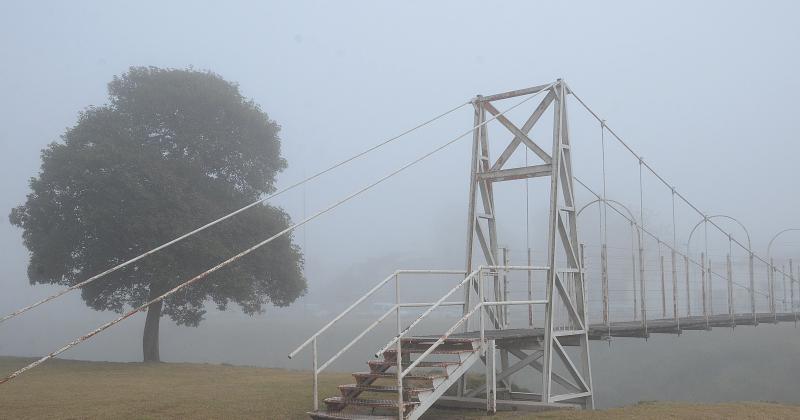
(637, 329)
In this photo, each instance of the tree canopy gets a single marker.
(170, 151)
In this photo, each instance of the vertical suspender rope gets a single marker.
(674, 266)
(642, 282)
(710, 289)
(634, 231)
(604, 232)
(771, 267)
(783, 297)
(528, 243)
(729, 271)
(663, 286)
(689, 262)
(706, 281)
(603, 300)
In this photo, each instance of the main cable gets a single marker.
(253, 248)
(664, 181)
(227, 216)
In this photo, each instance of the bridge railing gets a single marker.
(395, 308)
(475, 281)
(471, 283)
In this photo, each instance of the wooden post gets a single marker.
(315, 386)
(505, 286)
(530, 288)
(752, 290)
(663, 290)
(783, 298)
(688, 289)
(710, 288)
(642, 287)
(791, 288)
(703, 284)
(399, 349)
(491, 364)
(633, 273)
(675, 290)
(771, 279)
(730, 291)
(604, 280)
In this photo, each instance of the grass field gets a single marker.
(95, 390)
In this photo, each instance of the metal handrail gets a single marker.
(441, 340)
(448, 294)
(524, 268)
(424, 304)
(458, 323)
(363, 298)
(427, 312)
(316, 368)
(376, 323)
(345, 312)
(441, 300)
(466, 316)
(358, 337)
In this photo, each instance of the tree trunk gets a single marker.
(150, 336)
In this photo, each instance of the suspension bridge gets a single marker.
(520, 339)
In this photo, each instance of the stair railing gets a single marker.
(441, 301)
(403, 332)
(469, 314)
(475, 276)
(317, 369)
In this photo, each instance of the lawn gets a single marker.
(97, 390)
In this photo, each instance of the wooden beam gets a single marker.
(572, 256)
(513, 93)
(573, 312)
(526, 128)
(518, 133)
(516, 173)
(562, 354)
(565, 397)
(509, 371)
(519, 354)
(502, 405)
(484, 246)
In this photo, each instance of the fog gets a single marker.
(705, 91)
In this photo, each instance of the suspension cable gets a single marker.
(254, 247)
(229, 215)
(660, 178)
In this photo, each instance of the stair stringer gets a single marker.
(452, 377)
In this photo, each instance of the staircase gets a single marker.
(421, 387)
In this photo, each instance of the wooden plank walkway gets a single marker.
(635, 329)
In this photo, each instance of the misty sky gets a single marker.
(705, 91)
